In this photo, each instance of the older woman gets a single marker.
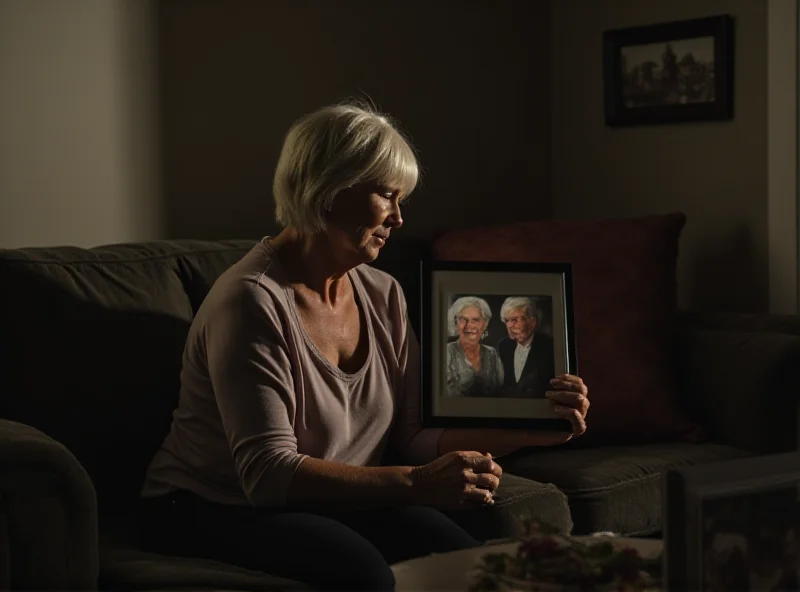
(473, 369)
(301, 372)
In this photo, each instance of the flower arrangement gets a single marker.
(549, 562)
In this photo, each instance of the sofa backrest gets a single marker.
(91, 343)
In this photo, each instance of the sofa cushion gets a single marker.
(515, 501)
(625, 303)
(613, 488)
(124, 568)
(91, 345)
(742, 383)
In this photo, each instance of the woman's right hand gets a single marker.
(456, 480)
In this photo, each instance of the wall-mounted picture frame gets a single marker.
(669, 72)
(493, 335)
(733, 525)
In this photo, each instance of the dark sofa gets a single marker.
(91, 347)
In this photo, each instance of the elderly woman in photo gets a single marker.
(301, 373)
(473, 369)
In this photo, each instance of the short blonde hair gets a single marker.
(332, 149)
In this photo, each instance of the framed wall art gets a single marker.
(670, 72)
(493, 336)
(733, 525)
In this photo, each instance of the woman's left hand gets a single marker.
(570, 399)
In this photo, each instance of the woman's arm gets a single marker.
(253, 382)
(498, 364)
(453, 378)
(322, 483)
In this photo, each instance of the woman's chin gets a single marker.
(370, 253)
(357, 255)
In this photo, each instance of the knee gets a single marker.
(355, 564)
(440, 532)
(374, 576)
(360, 571)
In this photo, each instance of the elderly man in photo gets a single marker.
(527, 355)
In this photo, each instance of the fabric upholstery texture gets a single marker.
(517, 500)
(45, 491)
(614, 488)
(625, 302)
(96, 336)
(5, 549)
(125, 568)
(726, 367)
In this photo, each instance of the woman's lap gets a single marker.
(349, 550)
(407, 532)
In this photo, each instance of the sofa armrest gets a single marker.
(48, 514)
(741, 381)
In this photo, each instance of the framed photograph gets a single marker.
(493, 336)
(670, 72)
(733, 525)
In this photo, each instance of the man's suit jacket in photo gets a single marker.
(539, 369)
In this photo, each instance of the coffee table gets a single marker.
(451, 571)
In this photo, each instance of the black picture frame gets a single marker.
(634, 93)
(721, 518)
(442, 283)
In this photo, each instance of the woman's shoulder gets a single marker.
(381, 288)
(248, 286)
(378, 277)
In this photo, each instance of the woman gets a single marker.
(473, 369)
(301, 371)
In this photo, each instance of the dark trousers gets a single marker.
(328, 550)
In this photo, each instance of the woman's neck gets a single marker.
(308, 260)
(471, 349)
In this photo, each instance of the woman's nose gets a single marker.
(396, 215)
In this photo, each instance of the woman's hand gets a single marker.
(457, 480)
(570, 399)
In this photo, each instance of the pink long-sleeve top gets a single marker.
(257, 397)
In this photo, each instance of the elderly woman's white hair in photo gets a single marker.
(332, 149)
(460, 304)
(515, 302)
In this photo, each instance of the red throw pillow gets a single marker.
(625, 290)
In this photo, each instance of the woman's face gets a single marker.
(361, 220)
(471, 325)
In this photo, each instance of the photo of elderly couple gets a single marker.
(506, 355)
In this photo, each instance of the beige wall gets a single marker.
(78, 142)
(82, 138)
(714, 172)
(468, 79)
